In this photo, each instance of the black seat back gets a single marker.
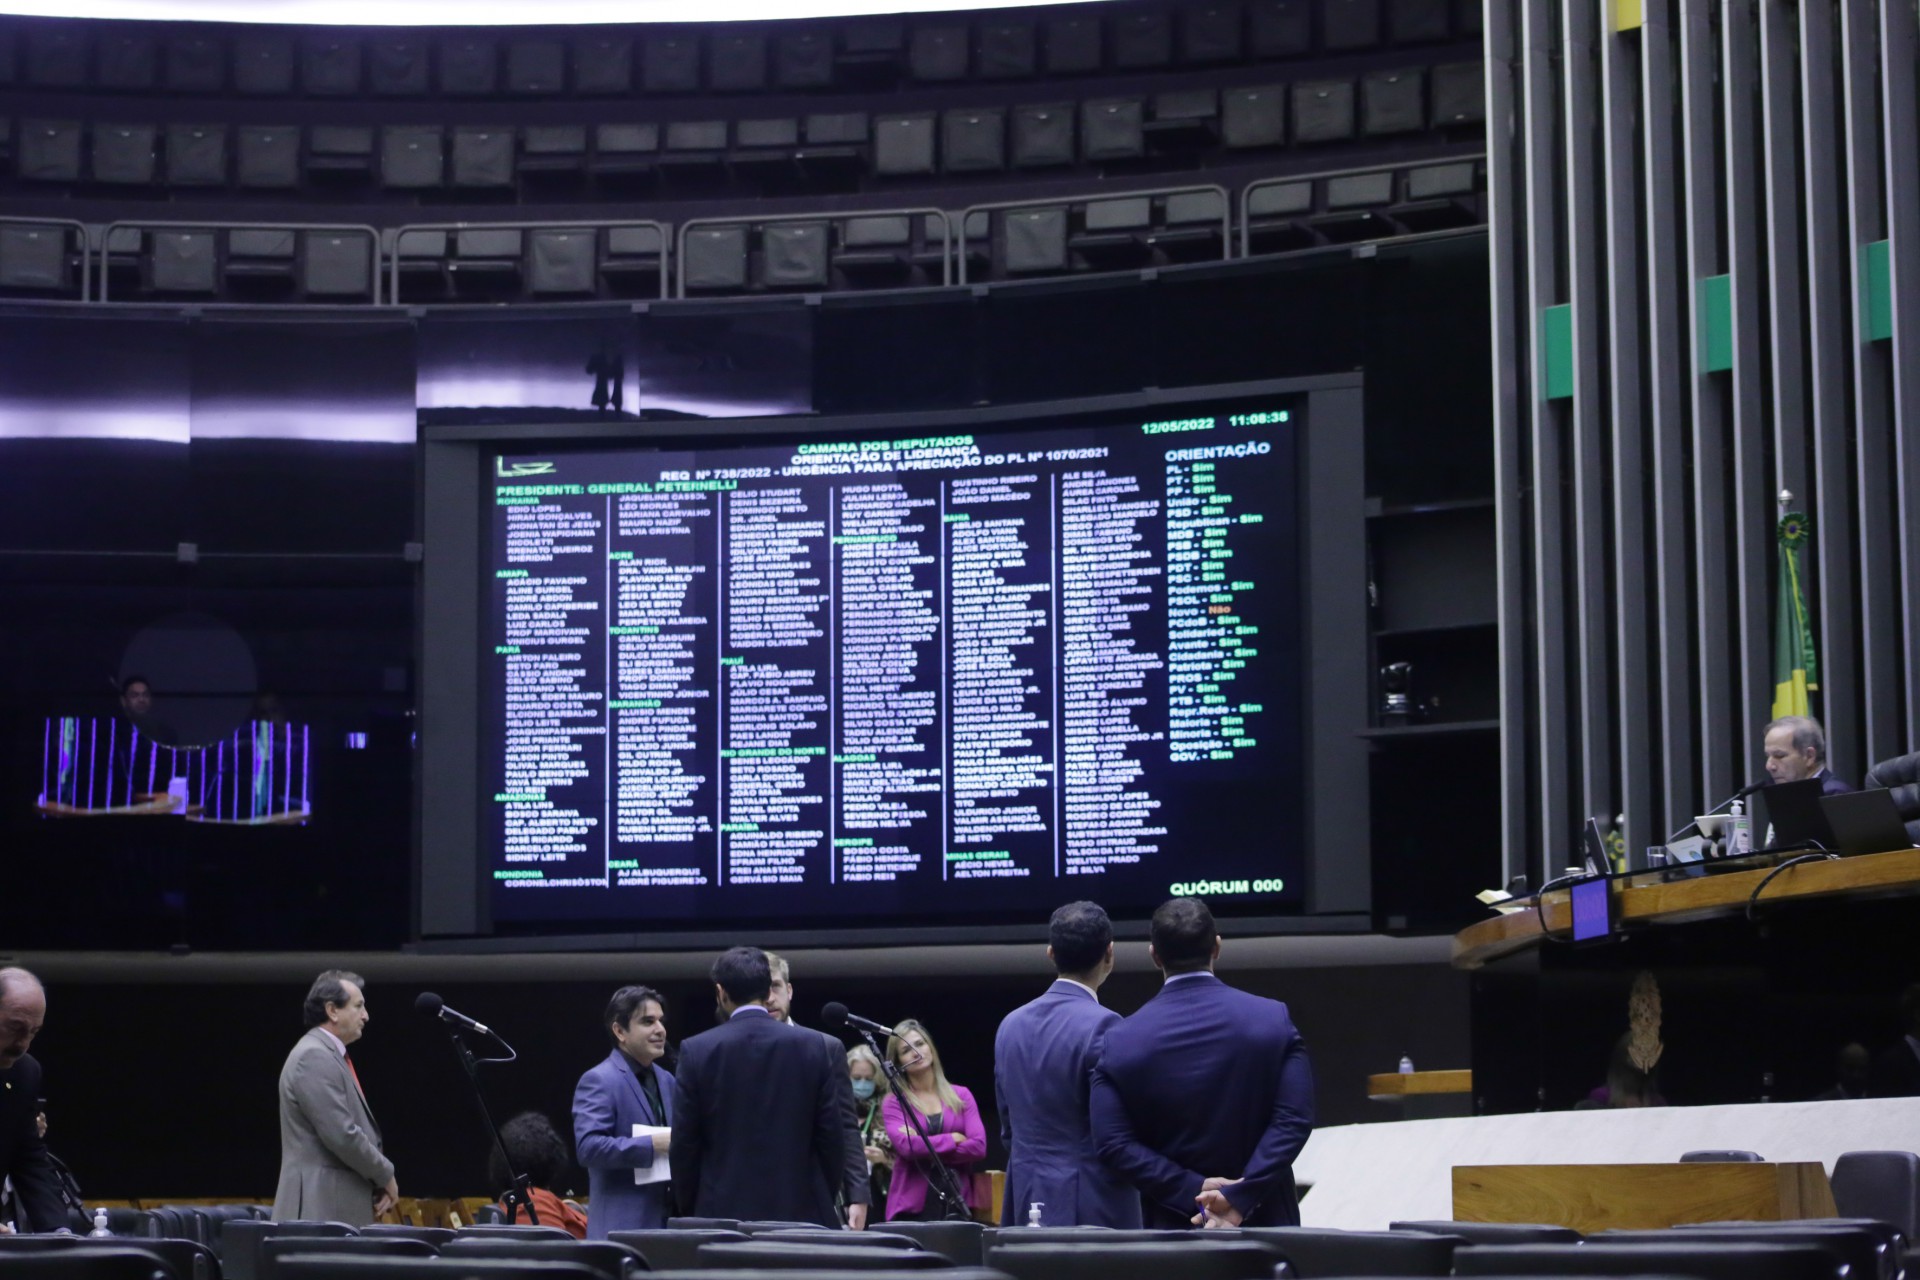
(435, 1236)
(876, 1239)
(1494, 1232)
(1880, 1184)
(759, 1226)
(1193, 1259)
(346, 1267)
(964, 1242)
(610, 1258)
(703, 1224)
(1859, 1250)
(757, 1255)
(674, 1250)
(510, 1231)
(274, 1248)
(1704, 1261)
(1077, 1235)
(1315, 1253)
(241, 1238)
(79, 1263)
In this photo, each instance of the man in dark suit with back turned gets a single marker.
(1204, 1097)
(757, 1131)
(23, 1152)
(1043, 1060)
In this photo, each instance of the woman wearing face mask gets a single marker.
(869, 1087)
(955, 1135)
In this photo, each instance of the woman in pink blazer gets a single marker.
(955, 1135)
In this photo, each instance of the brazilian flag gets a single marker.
(1795, 671)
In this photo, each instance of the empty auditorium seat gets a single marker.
(483, 156)
(1072, 45)
(1008, 48)
(1280, 28)
(469, 66)
(127, 60)
(632, 265)
(903, 145)
(1493, 1232)
(263, 63)
(1033, 240)
(1704, 1261)
(625, 149)
(352, 1248)
(1183, 119)
(343, 151)
(267, 156)
(125, 154)
(939, 52)
(338, 265)
(561, 260)
(713, 258)
(1323, 111)
(1192, 226)
(1255, 116)
(602, 63)
(1313, 1254)
(412, 157)
(1042, 135)
(677, 1248)
(196, 155)
(486, 261)
(1271, 216)
(1211, 33)
(883, 249)
(1858, 1252)
(876, 1238)
(793, 255)
(973, 140)
(1880, 1184)
(331, 62)
(550, 150)
(194, 62)
(1392, 102)
(418, 264)
(1113, 129)
(80, 1263)
(1141, 39)
(691, 146)
(764, 146)
(610, 1259)
(536, 67)
(803, 59)
(1350, 24)
(760, 1255)
(260, 261)
(435, 1236)
(960, 1241)
(1459, 95)
(1113, 232)
(48, 150)
(670, 62)
(1191, 1259)
(39, 259)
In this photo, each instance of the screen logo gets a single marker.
(509, 471)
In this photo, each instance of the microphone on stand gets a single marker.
(836, 1015)
(434, 1007)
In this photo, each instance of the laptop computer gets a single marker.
(1794, 810)
(1865, 822)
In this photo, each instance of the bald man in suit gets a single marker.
(331, 1166)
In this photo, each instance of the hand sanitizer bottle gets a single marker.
(1033, 1213)
(1406, 1065)
(99, 1225)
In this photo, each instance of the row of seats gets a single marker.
(425, 264)
(419, 158)
(1817, 1249)
(138, 57)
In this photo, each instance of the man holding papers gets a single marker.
(622, 1112)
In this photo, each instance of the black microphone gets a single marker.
(837, 1016)
(434, 1007)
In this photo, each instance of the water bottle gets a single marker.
(1033, 1213)
(1739, 831)
(1406, 1065)
(99, 1225)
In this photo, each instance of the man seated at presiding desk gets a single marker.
(1796, 749)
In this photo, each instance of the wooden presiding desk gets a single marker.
(1646, 900)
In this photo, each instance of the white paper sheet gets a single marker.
(659, 1170)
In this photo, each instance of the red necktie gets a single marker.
(356, 1076)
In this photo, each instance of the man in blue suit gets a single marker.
(1204, 1097)
(629, 1088)
(1043, 1061)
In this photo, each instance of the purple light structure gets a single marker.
(74, 782)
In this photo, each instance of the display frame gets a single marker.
(452, 872)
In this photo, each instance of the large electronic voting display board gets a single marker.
(918, 678)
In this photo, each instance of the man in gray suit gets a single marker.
(331, 1165)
